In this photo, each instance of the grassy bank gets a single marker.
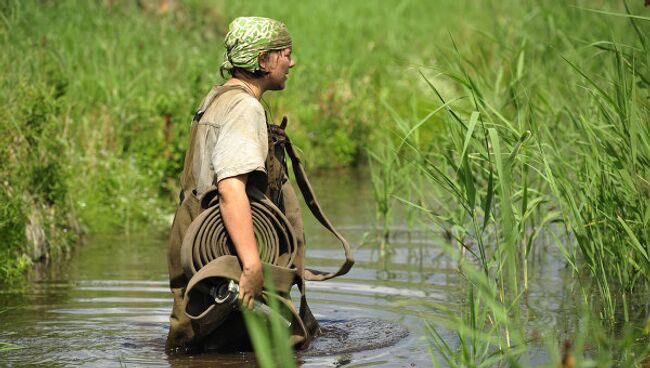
(97, 97)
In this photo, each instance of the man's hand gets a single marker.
(279, 129)
(250, 285)
(237, 216)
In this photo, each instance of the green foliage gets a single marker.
(96, 101)
(35, 192)
(546, 142)
(532, 148)
(97, 96)
(359, 53)
(269, 333)
(12, 220)
(385, 165)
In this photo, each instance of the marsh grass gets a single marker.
(384, 166)
(543, 147)
(269, 335)
(4, 346)
(94, 103)
(97, 98)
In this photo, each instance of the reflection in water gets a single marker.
(104, 321)
(109, 305)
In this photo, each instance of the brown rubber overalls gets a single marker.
(183, 333)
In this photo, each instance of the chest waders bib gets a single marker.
(208, 258)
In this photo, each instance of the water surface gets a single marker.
(108, 305)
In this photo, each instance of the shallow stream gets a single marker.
(109, 304)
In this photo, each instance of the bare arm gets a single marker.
(237, 216)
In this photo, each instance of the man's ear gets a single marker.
(264, 61)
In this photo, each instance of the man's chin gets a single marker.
(278, 87)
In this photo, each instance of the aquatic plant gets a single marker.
(532, 161)
(269, 333)
(385, 174)
(88, 138)
(4, 346)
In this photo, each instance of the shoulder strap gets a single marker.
(187, 179)
(314, 207)
(212, 95)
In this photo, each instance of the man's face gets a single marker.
(277, 63)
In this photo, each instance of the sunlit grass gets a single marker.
(542, 150)
(269, 333)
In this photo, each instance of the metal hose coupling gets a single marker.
(227, 292)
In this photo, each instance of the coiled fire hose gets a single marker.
(209, 239)
(210, 261)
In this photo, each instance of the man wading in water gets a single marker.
(228, 149)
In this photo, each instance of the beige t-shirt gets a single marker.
(231, 139)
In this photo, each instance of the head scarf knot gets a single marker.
(248, 37)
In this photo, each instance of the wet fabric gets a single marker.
(191, 335)
(248, 37)
(210, 261)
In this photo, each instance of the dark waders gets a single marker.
(202, 333)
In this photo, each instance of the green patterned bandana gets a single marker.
(248, 37)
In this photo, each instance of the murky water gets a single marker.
(109, 304)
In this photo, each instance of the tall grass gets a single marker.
(269, 334)
(96, 98)
(544, 147)
(95, 102)
(384, 173)
(535, 134)
(99, 94)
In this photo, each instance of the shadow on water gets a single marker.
(109, 304)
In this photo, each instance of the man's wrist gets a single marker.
(251, 263)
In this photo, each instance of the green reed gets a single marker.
(4, 346)
(544, 148)
(93, 124)
(385, 166)
(269, 335)
(97, 97)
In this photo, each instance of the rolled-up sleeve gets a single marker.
(242, 143)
